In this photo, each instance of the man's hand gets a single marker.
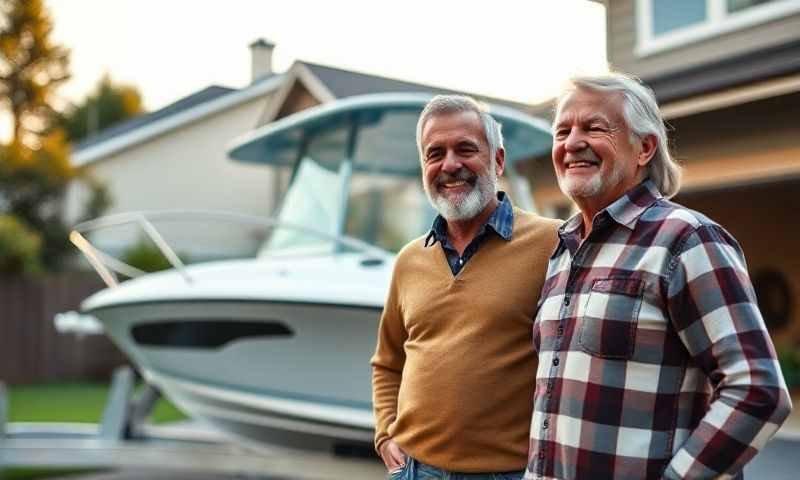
(392, 456)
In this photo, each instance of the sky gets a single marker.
(517, 49)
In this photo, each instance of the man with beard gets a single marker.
(452, 368)
(654, 361)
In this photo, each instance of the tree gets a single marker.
(19, 247)
(34, 167)
(31, 67)
(32, 187)
(109, 104)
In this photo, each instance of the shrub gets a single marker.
(789, 358)
(147, 257)
(20, 247)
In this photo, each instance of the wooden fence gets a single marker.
(31, 350)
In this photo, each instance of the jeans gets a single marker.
(416, 470)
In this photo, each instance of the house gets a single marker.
(727, 76)
(176, 157)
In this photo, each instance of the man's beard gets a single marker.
(469, 205)
(577, 188)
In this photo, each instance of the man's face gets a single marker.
(458, 174)
(593, 156)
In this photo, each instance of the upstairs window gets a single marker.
(671, 15)
(666, 24)
(737, 5)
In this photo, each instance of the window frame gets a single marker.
(718, 22)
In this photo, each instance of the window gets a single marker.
(737, 5)
(669, 15)
(666, 24)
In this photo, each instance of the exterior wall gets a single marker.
(621, 42)
(298, 99)
(748, 143)
(188, 168)
(762, 220)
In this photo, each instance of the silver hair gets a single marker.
(448, 104)
(643, 116)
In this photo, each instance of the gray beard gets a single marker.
(472, 204)
(594, 186)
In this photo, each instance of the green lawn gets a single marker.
(70, 402)
(38, 473)
(65, 402)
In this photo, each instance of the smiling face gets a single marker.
(594, 157)
(459, 176)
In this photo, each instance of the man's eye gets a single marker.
(561, 133)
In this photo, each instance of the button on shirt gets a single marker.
(501, 221)
(654, 361)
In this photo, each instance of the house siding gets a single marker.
(621, 30)
(187, 168)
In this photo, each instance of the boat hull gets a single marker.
(287, 373)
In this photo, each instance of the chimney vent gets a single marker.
(261, 59)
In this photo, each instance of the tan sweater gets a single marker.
(454, 369)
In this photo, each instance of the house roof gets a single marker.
(185, 103)
(772, 62)
(189, 109)
(338, 82)
(347, 83)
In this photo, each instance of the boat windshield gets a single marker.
(359, 178)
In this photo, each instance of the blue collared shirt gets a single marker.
(501, 221)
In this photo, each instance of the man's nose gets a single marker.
(451, 163)
(575, 141)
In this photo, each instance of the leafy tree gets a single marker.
(32, 188)
(109, 104)
(31, 67)
(19, 247)
(35, 171)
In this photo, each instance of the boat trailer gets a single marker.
(125, 439)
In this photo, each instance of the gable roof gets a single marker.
(325, 82)
(347, 83)
(189, 109)
(185, 103)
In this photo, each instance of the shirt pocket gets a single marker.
(608, 323)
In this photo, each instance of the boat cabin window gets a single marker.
(312, 201)
(387, 206)
(367, 165)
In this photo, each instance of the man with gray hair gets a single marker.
(452, 384)
(654, 361)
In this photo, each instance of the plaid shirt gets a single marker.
(501, 221)
(654, 361)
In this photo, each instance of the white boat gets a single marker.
(275, 349)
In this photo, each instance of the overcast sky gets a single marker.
(522, 50)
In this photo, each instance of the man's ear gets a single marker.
(500, 161)
(648, 145)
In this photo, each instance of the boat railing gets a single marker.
(108, 266)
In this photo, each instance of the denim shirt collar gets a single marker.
(501, 221)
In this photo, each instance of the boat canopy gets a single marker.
(377, 132)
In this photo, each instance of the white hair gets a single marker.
(449, 104)
(643, 117)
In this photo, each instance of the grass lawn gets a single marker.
(71, 402)
(38, 473)
(66, 402)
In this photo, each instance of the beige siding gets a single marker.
(621, 42)
(188, 168)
